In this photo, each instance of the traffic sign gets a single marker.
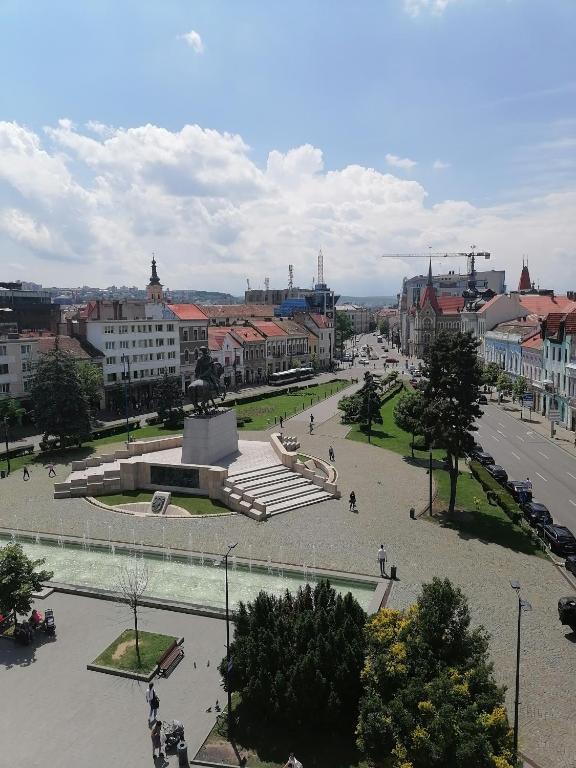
(528, 398)
(554, 415)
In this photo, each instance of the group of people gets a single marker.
(49, 467)
(156, 725)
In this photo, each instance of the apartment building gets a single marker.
(227, 350)
(193, 334)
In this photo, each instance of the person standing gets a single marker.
(51, 470)
(382, 560)
(331, 454)
(156, 736)
(25, 473)
(153, 702)
(281, 422)
(352, 501)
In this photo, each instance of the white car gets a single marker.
(363, 361)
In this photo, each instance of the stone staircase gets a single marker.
(260, 493)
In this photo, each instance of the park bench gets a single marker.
(170, 660)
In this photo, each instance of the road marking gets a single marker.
(520, 438)
(518, 457)
(542, 476)
(572, 502)
(500, 432)
(495, 438)
(543, 454)
(571, 475)
(500, 424)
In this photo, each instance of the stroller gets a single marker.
(173, 734)
(49, 625)
(567, 611)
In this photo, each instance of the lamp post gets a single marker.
(7, 450)
(126, 373)
(523, 605)
(228, 659)
(430, 484)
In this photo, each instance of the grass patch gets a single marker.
(121, 654)
(266, 412)
(478, 519)
(195, 505)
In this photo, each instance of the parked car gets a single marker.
(476, 447)
(571, 564)
(559, 539)
(482, 400)
(536, 514)
(498, 473)
(520, 490)
(483, 458)
(363, 361)
(391, 359)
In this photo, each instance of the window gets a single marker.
(3, 369)
(25, 349)
(123, 329)
(203, 333)
(172, 355)
(108, 329)
(160, 342)
(172, 369)
(171, 341)
(186, 355)
(3, 350)
(110, 344)
(170, 327)
(159, 355)
(26, 366)
(110, 360)
(124, 344)
(185, 334)
(4, 389)
(111, 377)
(159, 328)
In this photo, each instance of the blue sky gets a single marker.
(469, 105)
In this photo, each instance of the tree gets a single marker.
(408, 414)
(297, 662)
(58, 400)
(11, 413)
(19, 579)
(385, 328)
(132, 585)
(491, 373)
(314, 364)
(91, 383)
(344, 330)
(519, 387)
(169, 401)
(504, 384)
(450, 397)
(430, 699)
(370, 403)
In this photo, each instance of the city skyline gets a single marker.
(233, 142)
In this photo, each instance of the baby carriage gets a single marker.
(49, 625)
(173, 734)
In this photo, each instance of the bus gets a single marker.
(290, 376)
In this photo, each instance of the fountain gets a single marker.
(269, 564)
(202, 558)
(110, 538)
(37, 537)
(250, 561)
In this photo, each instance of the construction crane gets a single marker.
(470, 259)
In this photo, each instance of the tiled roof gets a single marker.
(556, 320)
(218, 311)
(450, 305)
(543, 305)
(291, 327)
(66, 344)
(534, 342)
(489, 303)
(246, 333)
(430, 297)
(216, 336)
(188, 311)
(320, 320)
(269, 328)
(524, 329)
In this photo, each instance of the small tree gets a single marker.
(370, 401)
(168, 396)
(519, 387)
(132, 585)
(491, 373)
(11, 413)
(385, 327)
(344, 330)
(60, 405)
(504, 384)
(19, 579)
(91, 383)
(408, 414)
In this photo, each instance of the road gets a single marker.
(526, 453)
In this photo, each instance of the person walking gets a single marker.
(382, 560)
(51, 470)
(25, 473)
(156, 736)
(281, 422)
(312, 419)
(311, 427)
(153, 702)
(331, 456)
(352, 501)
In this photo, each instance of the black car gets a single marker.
(559, 539)
(520, 490)
(498, 473)
(571, 564)
(482, 400)
(536, 513)
(483, 458)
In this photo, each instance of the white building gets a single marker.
(360, 316)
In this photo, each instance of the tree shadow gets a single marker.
(13, 654)
(472, 524)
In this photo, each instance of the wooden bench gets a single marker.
(170, 660)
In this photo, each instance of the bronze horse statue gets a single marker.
(206, 385)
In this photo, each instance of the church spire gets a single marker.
(429, 282)
(154, 279)
(525, 283)
(154, 292)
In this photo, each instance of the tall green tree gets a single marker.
(169, 400)
(344, 330)
(296, 661)
(409, 414)
(450, 396)
(519, 387)
(504, 384)
(430, 699)
(385, 327)
(11, 413)
(490, 374)
(19, 579)
(370, 402)
(60, 405)
(92, 383)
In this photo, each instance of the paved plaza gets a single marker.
(386, 486)
(57, 713)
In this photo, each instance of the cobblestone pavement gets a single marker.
(386, 486)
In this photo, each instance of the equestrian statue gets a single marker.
(206, 385)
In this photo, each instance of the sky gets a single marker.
(235, 138)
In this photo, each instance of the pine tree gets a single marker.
(370, 400)
(58, 400)
(409, 413)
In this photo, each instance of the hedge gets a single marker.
(13, 453)
(502, 497)
(115, 429)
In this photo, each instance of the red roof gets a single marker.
(246, 333)
(534, 342)
(525, 283)
(554, 321)
(268, 328)
(245, 311)
(430, 298)
(543, 305)
(320, 320)
(450, 305)
(66, 344)
(216, 336)
(187, 311)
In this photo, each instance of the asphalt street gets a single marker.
(526, 453)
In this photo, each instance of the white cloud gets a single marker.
(400, 162)
(194, 40)
(104, 199)
(415, 7)
(439, 165)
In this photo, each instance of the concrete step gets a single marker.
(289, 487)
(257, 479)
(256, 472)
(286, 506)
(61, 494)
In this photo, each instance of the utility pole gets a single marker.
(230, 719)
(523, 605)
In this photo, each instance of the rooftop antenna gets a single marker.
(290, 276)
(320, 267)
(266, 283)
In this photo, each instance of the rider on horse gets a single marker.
(206, 384)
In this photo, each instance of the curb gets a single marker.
(126, 673)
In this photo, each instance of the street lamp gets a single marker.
(126, 374)
(523, 605)
(7, 450)
(228, 659)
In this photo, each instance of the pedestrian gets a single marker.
(281, 422)
(312, 418)
(51, 470)
(382, 560)
(293, 762)
(311, 427)
(352, 501)
(153, 701)
(25, 473)
(156, 736)
(331, 454)
(528, 484)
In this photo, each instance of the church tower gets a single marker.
(154, 293)
(525, 283)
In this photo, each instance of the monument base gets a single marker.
(207, 439)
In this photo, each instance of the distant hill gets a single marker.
(203, 297)
(369, 301)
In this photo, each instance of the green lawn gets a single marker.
(121, 654)
(266, 412)
(195, 505)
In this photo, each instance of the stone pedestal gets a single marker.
(207, 439)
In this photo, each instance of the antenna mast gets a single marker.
(320, 267)
(266, 283)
